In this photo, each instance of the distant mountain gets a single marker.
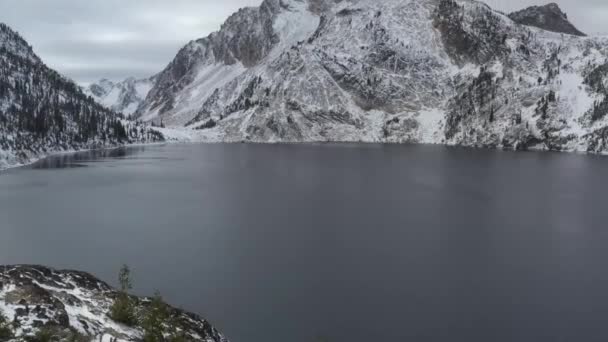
(549, 17)
(42, 112)
(122, 97)
(426, 71)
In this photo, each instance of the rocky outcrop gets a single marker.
(549, 17)
(74, 306)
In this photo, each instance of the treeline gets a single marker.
(38, 100)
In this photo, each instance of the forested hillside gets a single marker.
(41, 111)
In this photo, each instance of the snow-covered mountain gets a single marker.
(42, 112)
(429, 71)
(42, 304)
(122, 97)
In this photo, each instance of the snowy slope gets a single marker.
(212, 62)
(74, 306)
(429, 71)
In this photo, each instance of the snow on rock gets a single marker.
(292, 25)
(35, 297)
(427, 71)
(192, 97)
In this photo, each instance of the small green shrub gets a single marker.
(176, 334)
(75, 336)
(123, 310)
(45, 334)
(159, 325)
(179, 337)
(155, 319)
(6, 333)
(57, 334)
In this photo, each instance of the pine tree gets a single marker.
(155, 319)
(123, 309)
(6, 332)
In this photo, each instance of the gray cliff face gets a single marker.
(479, 41)
(549, 17)
(72, 303)
(246, 36)
(422, 71)
(300, 94)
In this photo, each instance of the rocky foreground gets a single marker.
(42, 304)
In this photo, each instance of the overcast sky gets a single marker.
(92, 39)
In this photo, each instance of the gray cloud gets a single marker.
(90, 39)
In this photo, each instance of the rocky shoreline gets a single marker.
(68, 305)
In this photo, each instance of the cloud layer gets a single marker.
(92, 39)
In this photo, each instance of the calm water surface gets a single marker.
(332, 242)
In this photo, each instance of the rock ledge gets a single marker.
(33, 298)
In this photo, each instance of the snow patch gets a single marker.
(431, 122)
(294, 25)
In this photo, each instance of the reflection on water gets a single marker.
(82, 159)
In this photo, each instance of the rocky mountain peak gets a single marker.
(247, 38)
(549, 17)
(315, 6)
(101, 88)
(277, 6)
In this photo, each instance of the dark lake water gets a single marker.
(332, 243)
